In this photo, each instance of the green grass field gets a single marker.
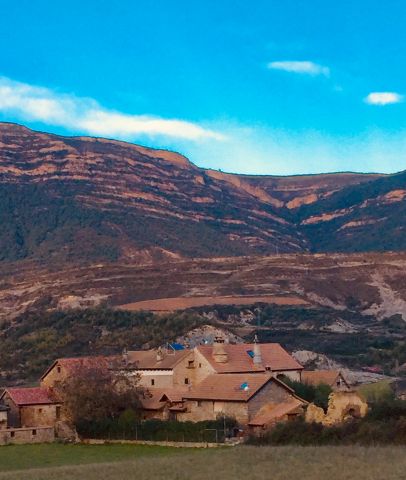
(108, 462)
(22, 457)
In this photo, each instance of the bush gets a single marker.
(127, 427)
(313, 394)
(384, 424)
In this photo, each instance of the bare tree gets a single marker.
(94, 392)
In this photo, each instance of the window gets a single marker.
(12, 434)
(186, 381)
(199, 403)
(152, 382)
(191, 364)
(200, 365)
(58, 413)
(58, 369)
(34, 432)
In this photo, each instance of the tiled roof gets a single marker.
(273, 356)
(174, 395)
(88, 362)
(29, 396)
(156, 398)
(147, 359)
(316, 377)
(152, 399)
(232, 387)
(273, 412)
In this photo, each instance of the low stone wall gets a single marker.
(27, 435)
(91, 441)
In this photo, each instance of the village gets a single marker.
(248, 382)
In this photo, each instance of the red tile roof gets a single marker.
(152, 399)
(88, 362)
(147, 359)
(273, 356)
(230, 387)
(317, 377)
(29, 396)
(271, 413)
(156, 398)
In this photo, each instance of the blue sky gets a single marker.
(269, 87)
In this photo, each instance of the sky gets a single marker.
(267, 87)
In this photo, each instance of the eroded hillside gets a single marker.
(365, 283)
(80, 198)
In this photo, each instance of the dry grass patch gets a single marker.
(254, 463)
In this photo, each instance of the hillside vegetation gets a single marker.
(35, 339)
(78, 198)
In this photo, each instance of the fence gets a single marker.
(160, 431)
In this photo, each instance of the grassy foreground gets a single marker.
(255, 463)
(24, 457)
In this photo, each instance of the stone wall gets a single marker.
(27, 435)
(272, 392)
(39, 415)
(57, 374)
(199, 410)
(341, 406)
(154, 378)
(3, 419)
(194, 368)
(13, 413)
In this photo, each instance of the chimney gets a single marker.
(257, 352)
(219, 352)
(159, 354)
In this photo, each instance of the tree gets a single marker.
(318, 394)
(95, 392)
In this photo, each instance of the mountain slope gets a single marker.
(361, 218)
(86, 199)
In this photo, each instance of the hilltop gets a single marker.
(83, 198)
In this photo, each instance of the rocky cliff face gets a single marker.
(97, 198)
(77, 198)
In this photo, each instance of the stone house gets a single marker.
(30, 407)
(333, 378)
(270, 414)
(63, 367)
(169, 368)
(161, 368)
(223, 358)
(163, 404)
(235, 395)
(174, 379)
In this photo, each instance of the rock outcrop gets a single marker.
(341, 407)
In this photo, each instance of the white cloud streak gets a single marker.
(300, 67)
(383, 98)
(32, 103)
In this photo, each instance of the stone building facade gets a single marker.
(30, 407)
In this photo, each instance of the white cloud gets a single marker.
(34, 103)
(301, 67)
(383, 98)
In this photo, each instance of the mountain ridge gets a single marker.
(97, 198)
